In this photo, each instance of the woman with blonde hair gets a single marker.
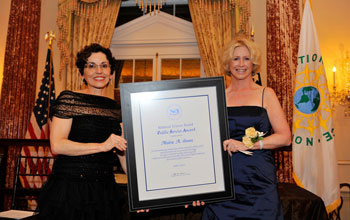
(257, 108)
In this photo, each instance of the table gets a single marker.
(300, 204)
(297, 204)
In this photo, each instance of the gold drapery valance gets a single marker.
(240, 8)
(80, 23)
(89, 1)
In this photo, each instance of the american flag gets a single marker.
(38, 128)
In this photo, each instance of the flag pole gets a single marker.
(50, 36)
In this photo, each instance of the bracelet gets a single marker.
(261, 144)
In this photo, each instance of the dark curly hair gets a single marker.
(85, 53)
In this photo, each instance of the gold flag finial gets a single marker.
(50, 36)
(252, 33)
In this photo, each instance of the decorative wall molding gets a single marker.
(147, 35)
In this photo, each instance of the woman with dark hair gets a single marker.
(86, 137)
(252, 111)
(84, 54)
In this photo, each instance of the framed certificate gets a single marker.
(174, 130)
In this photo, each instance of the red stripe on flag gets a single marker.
(38, 129)
(26, 151)
(31, 131)
(42, 135)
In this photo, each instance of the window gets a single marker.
(141, 70)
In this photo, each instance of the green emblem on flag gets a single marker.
(307, 99)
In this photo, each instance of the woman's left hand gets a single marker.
(114, 141)
(196, 203)
(233, 146)
(142, 210)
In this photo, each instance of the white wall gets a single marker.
(48, 22)
(333, 29)
(258, 20)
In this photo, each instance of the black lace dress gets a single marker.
(83, 187)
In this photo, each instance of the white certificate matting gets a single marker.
(177, 143)
(174, 130)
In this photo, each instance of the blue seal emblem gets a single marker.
(307, 99)
(174, 112)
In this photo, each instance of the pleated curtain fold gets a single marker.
(80, 23)
(215, 23)
(283, 28)
(19, 82)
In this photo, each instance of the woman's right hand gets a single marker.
(233, 146)
(114, 141)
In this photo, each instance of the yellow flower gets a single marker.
(251, 132)
(247, 141)
(251, 136)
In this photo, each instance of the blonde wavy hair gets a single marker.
(255, 54)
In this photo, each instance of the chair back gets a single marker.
(30, 175)
(335, 214)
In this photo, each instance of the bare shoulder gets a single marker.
(269, 91)
(269, 94)
(270, 97)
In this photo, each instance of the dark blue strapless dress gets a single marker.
(255, 182)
